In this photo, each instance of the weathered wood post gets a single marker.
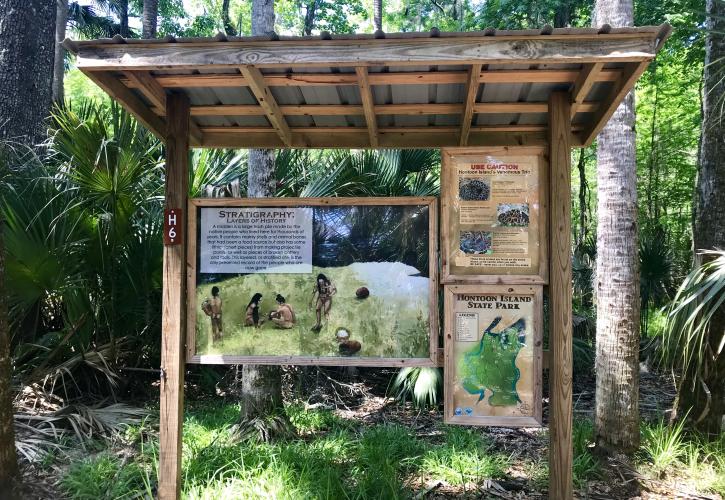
(173, 325)
(560, 292)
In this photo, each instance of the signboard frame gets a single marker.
(195, 204)
(449, 192)
(450, 370)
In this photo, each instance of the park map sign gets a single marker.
(493, 355)
(323, 281)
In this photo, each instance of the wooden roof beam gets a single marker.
(392, 78)
(156, 94)
(474, 73)
(583, 84)
(266, 100)
(632, 71)
(345, 53)
(366, 97)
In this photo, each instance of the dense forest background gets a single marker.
(82, 199)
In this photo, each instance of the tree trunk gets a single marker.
(617, 271)
(27, 42)
(261, 385)
(709, 222)
(123, 17)
(8, 458)
(226, 20)
(61, 18)
(310, 13)
(150, 18)
(378, 15)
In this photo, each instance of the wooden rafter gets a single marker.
(631, 73)
(469, 103)
(391, 78)
(366, 97)
(266, 100)
(583, 84)
(384, 109)
(156, 95)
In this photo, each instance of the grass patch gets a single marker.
(105, 477)
(465, 456)
(585, 465)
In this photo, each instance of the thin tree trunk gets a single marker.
(8, 457)
(261, 385)
(709, 220)
(150, 18)
(27, 43)
(378, 15)
(123, 17)
(310, 13)
(61, 18)
(226, 20)
(583, 187)
(617, 269)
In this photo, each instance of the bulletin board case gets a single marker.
(494, 220)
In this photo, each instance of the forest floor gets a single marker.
(351, 440)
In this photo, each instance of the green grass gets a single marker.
(392, 322)
(334, 458)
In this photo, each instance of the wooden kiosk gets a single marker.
(551, 88)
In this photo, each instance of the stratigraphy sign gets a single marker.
(254, 240)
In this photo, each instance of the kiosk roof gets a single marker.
(400, 90)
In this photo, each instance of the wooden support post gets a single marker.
(368, 103)
(583, 84)
(173, 324)
(560, 293)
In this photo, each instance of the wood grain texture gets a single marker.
(431, 202)
(560, 294)
(448, 214)
(132, 103)
(449, 364)
(268, 103)
(472, 86)
(366, 97)
(620, 88)
(583, 84)
(173, 324)
(464, 50)
(391, 78)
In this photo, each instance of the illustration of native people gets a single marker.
(491, 365)
(322, 296)
(212, 307)
(284, 316)
(346, 345)
(251, 316)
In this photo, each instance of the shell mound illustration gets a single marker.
(491, 365)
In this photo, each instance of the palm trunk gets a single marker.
(261, 385)
(707, 407)
(617, 271)
(378, 15)
(61, 18)
(27, 42)
(8, 458)
(150, 17)
(123, 17)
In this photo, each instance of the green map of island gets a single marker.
(491, 365)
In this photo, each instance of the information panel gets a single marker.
(251, 240)
(493, 217)
(325, 281)
(493, 355)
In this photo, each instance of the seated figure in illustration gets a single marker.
(251, 317)
(212, 307)
(284, 317)
(323, 292)
(347, 346)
